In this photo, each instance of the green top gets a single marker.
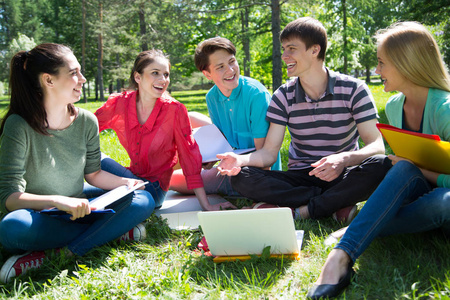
(436, 118)
(48, 165)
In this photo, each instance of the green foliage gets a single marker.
(177, 27)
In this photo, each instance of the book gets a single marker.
(426, 151)
(211, 142)
(102, 202)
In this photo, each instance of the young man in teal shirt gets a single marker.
(237, 105)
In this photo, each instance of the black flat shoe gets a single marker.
(319, 291)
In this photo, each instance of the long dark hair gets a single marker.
(27, 98)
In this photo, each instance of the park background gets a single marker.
(107, 35)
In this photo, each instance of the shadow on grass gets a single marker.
(410, 266)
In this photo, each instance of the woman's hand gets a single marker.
(395, 159)
(77, 207)
(219, 206)
(132, 182)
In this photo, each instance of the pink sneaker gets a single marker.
(138, 233)
(345, 215)
(260, 205)
(19, 264)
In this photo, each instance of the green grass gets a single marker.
(167, 264)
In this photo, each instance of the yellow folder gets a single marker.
(425, 150)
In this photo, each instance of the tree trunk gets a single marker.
(100, 57)
(246, 41)
(118, 82)
(96, 87)
(277, 75)
(344, 12)
(83, 46)
(143, 27)
(367, 74)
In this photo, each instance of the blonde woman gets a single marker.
(409, 199)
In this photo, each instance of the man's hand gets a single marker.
(329, 168)
(229, 164)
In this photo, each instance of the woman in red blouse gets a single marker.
(154, 129)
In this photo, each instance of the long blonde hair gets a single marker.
(414, 52)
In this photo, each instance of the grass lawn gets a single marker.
(167, 264)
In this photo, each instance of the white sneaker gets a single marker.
(137, 233)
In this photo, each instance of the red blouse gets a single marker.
(153, 146)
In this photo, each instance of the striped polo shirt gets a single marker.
(319, 128)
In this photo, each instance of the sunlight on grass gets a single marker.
(167, 265)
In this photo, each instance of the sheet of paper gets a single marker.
(181, 210)
(212, 142)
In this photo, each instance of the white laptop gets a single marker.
(249, 231)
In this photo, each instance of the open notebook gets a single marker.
(102, 202)
(211, 142)
(236, 234)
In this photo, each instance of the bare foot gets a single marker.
(334, 237)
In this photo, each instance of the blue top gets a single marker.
(436, 118)
(241, 117)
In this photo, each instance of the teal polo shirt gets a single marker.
(242, 116)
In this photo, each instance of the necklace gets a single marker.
(60, 126)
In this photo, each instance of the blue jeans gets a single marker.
(111, 166)
(27, 230)
(404, 202)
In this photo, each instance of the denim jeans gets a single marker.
(295, 188)
(27, 230)
(404, 202)
(111, 166)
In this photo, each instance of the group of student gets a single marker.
(50, 150)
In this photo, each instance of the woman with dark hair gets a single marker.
(154, 129)
(48, 148)
(409, 199)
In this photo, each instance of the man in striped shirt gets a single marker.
(326, 113)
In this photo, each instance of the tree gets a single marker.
(277, 75)
(432, 13)
(22, 42)
(100, 53)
